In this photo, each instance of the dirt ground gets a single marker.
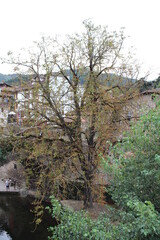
(93, 212)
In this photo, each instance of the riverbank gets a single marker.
(76, 205)
(7, 171)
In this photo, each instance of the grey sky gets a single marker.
(23, 21)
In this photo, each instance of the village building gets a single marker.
(8, 105)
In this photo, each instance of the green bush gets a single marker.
(135, 176)
(141, 221)
(77, 225)
(135, 167)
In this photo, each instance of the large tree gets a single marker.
(78, 93)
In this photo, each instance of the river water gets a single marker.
(16, 220)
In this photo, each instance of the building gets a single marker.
(8, 106)
(142, 103)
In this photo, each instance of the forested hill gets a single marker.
(148, 85)
(12, 79)
(15, 79)
(7, 77)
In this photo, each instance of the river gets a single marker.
(16, 219)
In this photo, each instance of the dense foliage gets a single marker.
(5, 149)
(135, 171)
(136, 167)
(140, 222)
(78, 226)
(135, 187)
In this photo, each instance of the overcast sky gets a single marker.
(24, 21)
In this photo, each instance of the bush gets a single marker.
(5, 149)
(77, 225)
(141, 221)
(135, 167)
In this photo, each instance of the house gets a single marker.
(142, 103)
(136, 107)
(8, 106)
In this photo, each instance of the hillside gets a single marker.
(15, 79)
(7, 77)
(12, 79)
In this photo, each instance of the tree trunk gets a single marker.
(88, 195)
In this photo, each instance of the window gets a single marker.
(129, 116)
